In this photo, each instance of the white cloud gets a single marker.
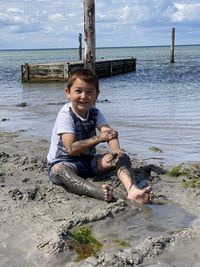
(47, 29)
(125, 13)
(56, 17)
(186, 12)
(19, 20)
(118, 22)
(14, 10)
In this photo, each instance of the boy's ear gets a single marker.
(67, 91)
(97, 94)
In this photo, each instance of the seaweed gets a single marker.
(192, 175)
(122, 243)
(176, 171)
(83, 242)
(155, 149)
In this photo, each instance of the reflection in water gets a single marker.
(176, 256)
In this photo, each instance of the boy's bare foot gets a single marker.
(140, 196)
(108, 192)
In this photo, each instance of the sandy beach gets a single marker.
(36, 216)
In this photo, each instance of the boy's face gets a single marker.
(82, 96)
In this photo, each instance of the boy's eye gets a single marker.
(90, 91)
(87, 91)
(77, 90)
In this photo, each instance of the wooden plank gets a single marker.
(45, 72)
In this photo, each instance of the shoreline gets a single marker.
(35, 214)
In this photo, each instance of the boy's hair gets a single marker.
(85, 75)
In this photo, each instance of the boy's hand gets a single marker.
(118, 152)
(106, 136)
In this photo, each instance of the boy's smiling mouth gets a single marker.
(83, 103)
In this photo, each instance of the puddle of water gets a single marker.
(184, 254)
(18, 250)
(153, 220)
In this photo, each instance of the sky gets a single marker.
(34, 24)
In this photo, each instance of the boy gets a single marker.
(72, 155)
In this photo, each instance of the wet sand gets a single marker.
(35, 215)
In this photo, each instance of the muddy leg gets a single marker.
(123, 167)
(67, 177)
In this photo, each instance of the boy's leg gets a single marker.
(66, 176)
(122, 164)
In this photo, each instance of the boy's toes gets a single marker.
(147, 189)
(108, 192)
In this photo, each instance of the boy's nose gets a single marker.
(83, 94)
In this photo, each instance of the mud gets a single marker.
(36, 216)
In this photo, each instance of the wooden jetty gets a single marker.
(50, 72)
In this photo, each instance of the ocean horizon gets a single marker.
(103, 47)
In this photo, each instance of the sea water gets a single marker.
(158, 105)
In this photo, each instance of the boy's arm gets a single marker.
(113, 143)
(76, 148)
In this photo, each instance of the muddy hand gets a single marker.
(114, 156)
(106, 136)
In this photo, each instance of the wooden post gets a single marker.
(25, 72)
(111, 68)
(89, 29)
(172, 45)
(80, 46)
(65, 71)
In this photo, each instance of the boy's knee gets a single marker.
(120, 160)
(54, 174)
(60, 169)
(56, 168)
(123, 160)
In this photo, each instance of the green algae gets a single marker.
(193, 177)
(176, 171)
(83, 242)
(122, 243)
(155, 149)
(191, 174)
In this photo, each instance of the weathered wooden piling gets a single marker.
(25, 72)
(80, 46)
(89, 29)
(172, 45)
(60, 71)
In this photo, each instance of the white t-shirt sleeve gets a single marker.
(64, 123)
